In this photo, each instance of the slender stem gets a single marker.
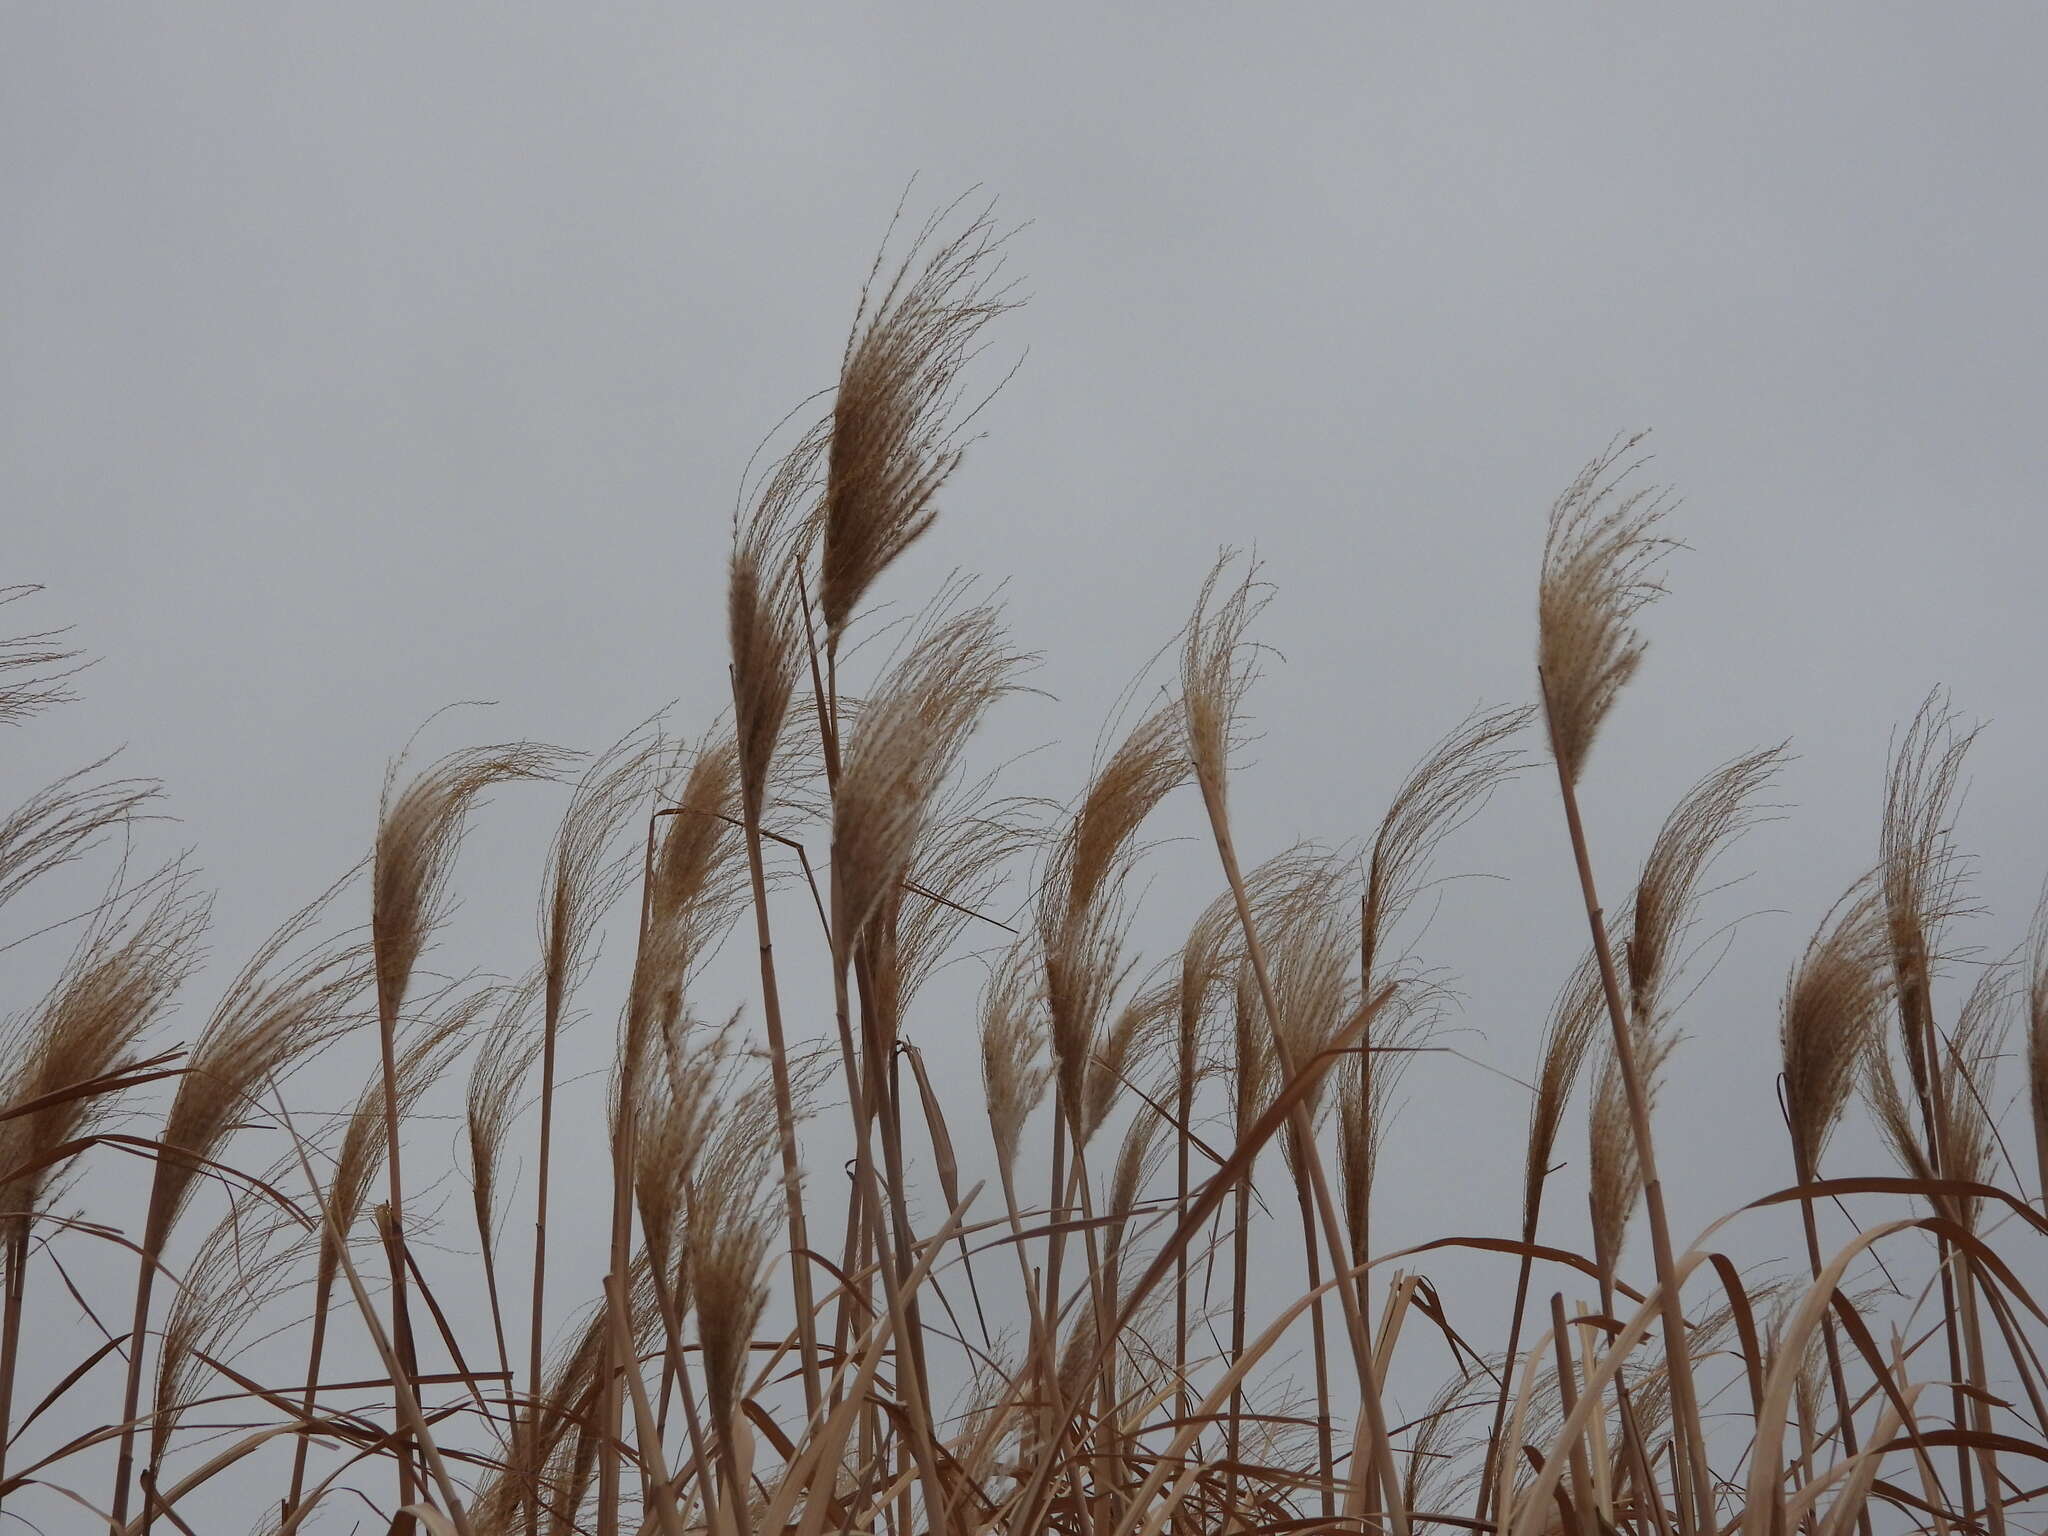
(550, 1029)
(1239, 1267)
(1845, 1420)
(131, 1397)
(389, 997)
(1326, 1209)
(1325, 1447)
(1699, 1515)
(1494, 1449)
(16, 1259)
(785, 1122)
(323, 1296)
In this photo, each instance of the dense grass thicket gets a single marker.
(1083, 1335)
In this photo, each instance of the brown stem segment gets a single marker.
(1697, 1514)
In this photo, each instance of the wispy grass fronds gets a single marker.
(904, 746)
(63, 820)
(1834, 1005)
(1218, 670)
(1442, 793)
(1183, 1373)
(246, 1262)
(137, 950)
(1715, 812)
(1013, 1070)
(896, 418)
(34, 668)
(1921, 869)
(418, 832)
(1599, 564)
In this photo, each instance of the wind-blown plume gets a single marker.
(139, 946)
(1834, 1004)
(33, 667)
(894, 438)
(763, 627)
(1713, 814)
(290, 999)
(1575, 1018)
(1920, 869)
(245, 1263)
(1080, 916)
(137, 950)
(507, 1053)
(903, 747)
(418, 832)
(60, 821)
(1013, 1075)
(1616, 1169)
(730, 1234)
(1599, 560)
(1443, 792)
(1216, 673)
(695, 889)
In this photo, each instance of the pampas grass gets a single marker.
(1108, 1345)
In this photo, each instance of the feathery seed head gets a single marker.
(1599, 559)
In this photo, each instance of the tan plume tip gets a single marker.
(1125, 1047)
(1444, 791)
(904, 745)
(139, 947)
(763, 616)
(1599, 560)
(587, 868)
(695, 892)
(673, 1120)
(430, 1051)
(1699, 829)
(510, 1047)
(1579, 1013)
(896, 419)
(290, 1000)
(1970, 1145)
(35, 667)
(1013, 1075)
(1616, 1171)
(418, 832)
(729, 1240)
(1834, 1003)
(1921, 870)
(1615, 1175)
(1217, 668)
(60, 821)
(1150, 765)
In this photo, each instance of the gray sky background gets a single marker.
(357, 360)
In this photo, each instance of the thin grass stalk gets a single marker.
(665, 1512)
(1568, 1399)
(626, 1114)
(785, 1116)
(888, 1255)
(16, 1258)
(1517, 1313)
(1326, 1458)
(677, 1369)
(1368, 1382)
(1697, 1515)
(409, 1412)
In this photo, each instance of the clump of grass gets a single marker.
(763, 1351)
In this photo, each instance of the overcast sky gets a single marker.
(355, 360)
